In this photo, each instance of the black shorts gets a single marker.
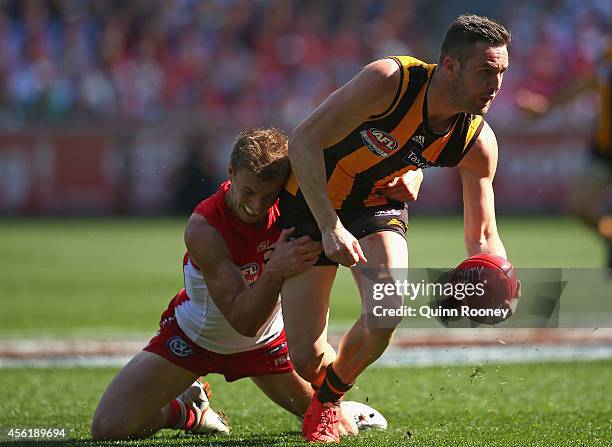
(294, 212)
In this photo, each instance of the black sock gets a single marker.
(332, 389)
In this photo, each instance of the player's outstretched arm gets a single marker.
(245, 308)
(477, 170)
(369, 93)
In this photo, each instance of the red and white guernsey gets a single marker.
(198, 316)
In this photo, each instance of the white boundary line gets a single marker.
(418, 357)
(409, 348)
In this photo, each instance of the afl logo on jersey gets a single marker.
(250, 272)
(379, 142)
(179, 347)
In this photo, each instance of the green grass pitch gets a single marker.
(565, 404)
(102, 277)
(112, 277)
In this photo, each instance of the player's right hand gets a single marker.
(341, 246)
(290, 257)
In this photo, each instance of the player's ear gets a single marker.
(451, 65)
(229, 172)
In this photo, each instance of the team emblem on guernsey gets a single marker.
(250, 272)
(179, 347)
(379, 142)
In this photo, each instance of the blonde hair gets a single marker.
(261, 151)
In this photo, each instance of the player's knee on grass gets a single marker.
(108, 423)
(106, 426)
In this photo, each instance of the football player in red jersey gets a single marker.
(227, 319)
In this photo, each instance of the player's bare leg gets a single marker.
(305, 302)
(387, 253)
(135, 404)
(289, 391)
(365, 342)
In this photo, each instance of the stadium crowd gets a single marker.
(249, 62)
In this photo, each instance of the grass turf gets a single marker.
(96, 277)
(490, 405)
(109, 276)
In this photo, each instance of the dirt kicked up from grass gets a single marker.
(552, 404)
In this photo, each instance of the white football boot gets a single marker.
(364, 416)
(207, 420)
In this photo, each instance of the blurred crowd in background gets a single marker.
(224, 65)
(252, 61)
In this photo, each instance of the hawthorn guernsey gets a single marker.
(379, 142)
(396, 115)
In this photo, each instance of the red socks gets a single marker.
(181, 416)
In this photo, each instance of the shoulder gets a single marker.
(204, 242)
(482, 156)
(374, 87)
(211, 206)
(409, 62)
(486, 140)
(381, 74)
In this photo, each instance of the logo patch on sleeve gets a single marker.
(379, 142)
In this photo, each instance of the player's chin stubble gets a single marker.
(463, 102)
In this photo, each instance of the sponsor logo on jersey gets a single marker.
(280, 361)
(179, 347)
(379, 142)
(263, 245)
(387, 213)
(414, 158)
(250, 272)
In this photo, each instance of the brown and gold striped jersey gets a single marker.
(392, 143)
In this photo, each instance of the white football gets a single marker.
(364, 416)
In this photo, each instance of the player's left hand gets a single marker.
(341, 246)
(405, 188)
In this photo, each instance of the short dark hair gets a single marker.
(261, 151)
(469, 29)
